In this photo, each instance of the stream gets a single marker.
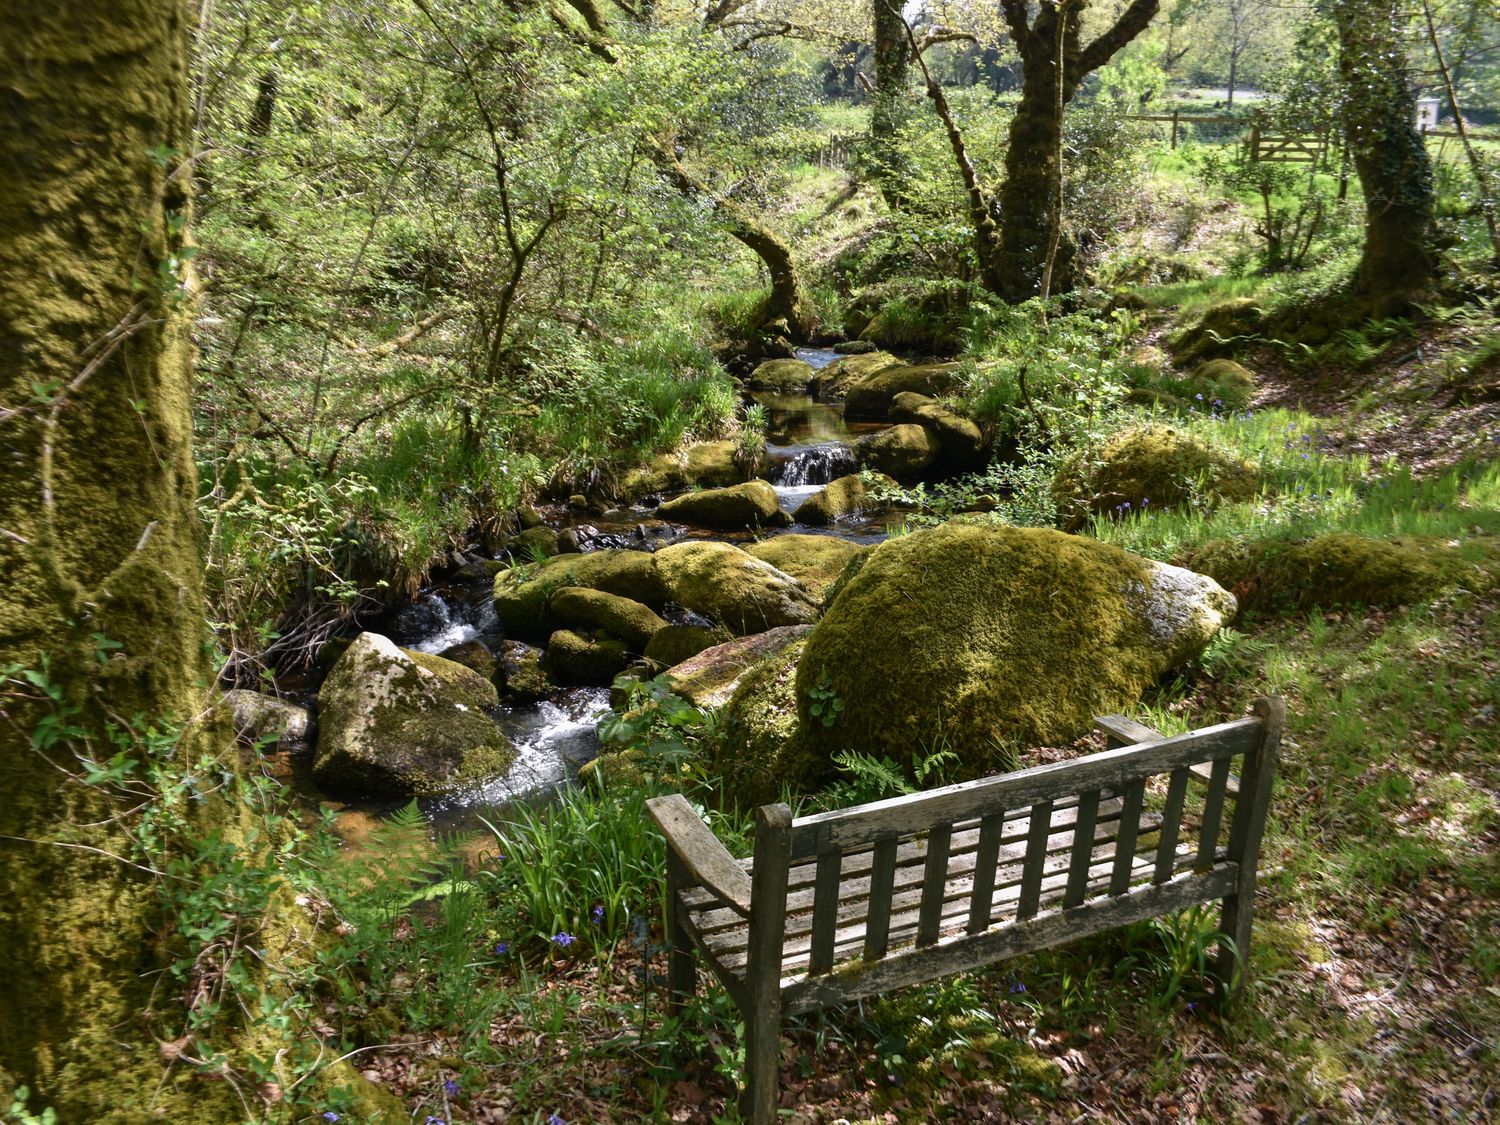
(806, 448)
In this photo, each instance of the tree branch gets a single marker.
(1131, 23)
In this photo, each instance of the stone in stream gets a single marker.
(962, 443)
(473, 655)
(761, 753)
(749, 505)
(976, 638)
(733, 588)
(845, 496)
(523, 676)
(593, 660)
(705, 464)
(814, 560)
(632, 622)
(870, 399)
(835, 380)
(258, 716)
(532, 541)
(709, 679)
(677, 643)
(782, 376)
(904, 452)
(405, 723)
(522, 593)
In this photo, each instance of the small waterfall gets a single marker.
(817, 464)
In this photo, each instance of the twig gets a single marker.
(88, 848)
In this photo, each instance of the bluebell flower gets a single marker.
(329, 1115)
(563, 938)
(553, 1119)
(450, 1087)
(502, 948)
(597, 914)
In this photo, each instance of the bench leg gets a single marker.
(1234, 922)
(762, 1092)
(682, 969)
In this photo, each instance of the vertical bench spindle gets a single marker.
(1036, 858)
(934, 883)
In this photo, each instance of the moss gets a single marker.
(629, 620)
(783, 376)
(709, 679)
(737, 590)
(1155, 467)
(527, 679)
(908, 314)
(750, 505)
(676, 643)
(845, 496)
(814, 560)
(962, 442)
(903, 452)
(576, 659)
(870, 399)
(708, 464)
(983, 638)
(762, 751)
(522, 594)
(835, 380)
(474, 656)
(1337, 569)
(1218, 330)
(526, 543)
(1230, 382)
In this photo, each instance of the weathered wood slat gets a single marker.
(878, 906)
(1213, 812)
(1083, 848)
(701, 853)
(934, 880)
(1036, 857)
(825, 911)
(972, 951)
(1130, 819)
(1171, 821)
(983, 887)
(1120, 731)
(863, 824)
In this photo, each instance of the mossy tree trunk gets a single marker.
(97, 527)
(1399, 259)
(1029, 211)
(892, 55)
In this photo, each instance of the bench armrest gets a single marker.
(1121, 731)
(701, 853)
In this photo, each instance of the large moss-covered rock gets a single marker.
(405, 723)
(961, 440)
(870, 399)
(533, 542)
(578, 659)
(763, 752)
(814, 560)
(845, 496)
(726, 585)
(834, 381)
(677, 643)
(1219, 330)
(260, 717)
(632, 622)
(975, 637)
(1152, 467)
(749, 505)
(706, 464)
(1338, 569)
(1226, 381)
(782, 376)
(904, 452)
(473, 655)
(709, 679)
(523, 594)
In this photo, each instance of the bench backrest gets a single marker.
(1015, 847)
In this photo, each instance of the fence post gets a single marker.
(1254, 142)
(1174, 128)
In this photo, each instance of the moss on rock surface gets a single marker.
(870, 399)
(705, 464)
(1338, 569)
(709, 679)
(749, 505)
(1155, 467)
(677, 643)
(405, 723)
(835, 380)
(961, 440)
(576, 659)
(762, 750)
(783, 376)
(739, 591)
(814, 560)
(842, 497)
(523, 594)
(904, 452)
(1218, 330)
(984, 637)
(632, 622)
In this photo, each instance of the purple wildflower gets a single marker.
(434, 1121)
(553, 1119)
(329, 1115)
(450, 1087)
(502, 948)
(563, 938)
(597, 914)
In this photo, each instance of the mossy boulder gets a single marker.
(677, 643)
(814, 560)
(632, 622)
(749, 505)
(1338, 569)
(709, 679)
(1220, 329)
(870, 399)
(1229, 382)
(762, 751)
(739, 591)
(523, 594)
(845, 496)
(256, 717)
(977, 638)
(474, 656)
(578, 659)
(705, 464)
(904, 452)
(532, 542)
(960, 440)
(1153, 467)
(405, 723)
(782, 376)
(834, 381)
(523, 674)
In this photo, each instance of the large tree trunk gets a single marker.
(892, 72)
(97, 529)
(1399, 259)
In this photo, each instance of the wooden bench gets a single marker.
(856, 902)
